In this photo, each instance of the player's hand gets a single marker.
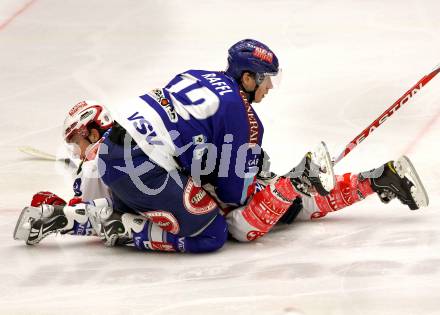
(48, 198)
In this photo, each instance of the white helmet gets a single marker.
(82, 115)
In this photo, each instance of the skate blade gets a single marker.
(404, 167)
(321, 157)
(23, 226)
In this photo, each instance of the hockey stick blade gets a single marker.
(43, 155)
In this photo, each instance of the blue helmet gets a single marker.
(253, 56)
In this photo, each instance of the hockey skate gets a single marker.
(314, 173)
(113, 231)
(35, 223)
(398, 179)
(108, 224)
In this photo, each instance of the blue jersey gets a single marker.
(203, 120)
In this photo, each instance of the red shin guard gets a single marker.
(267, 207)
(348, 190)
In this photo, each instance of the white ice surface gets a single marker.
(344, 63)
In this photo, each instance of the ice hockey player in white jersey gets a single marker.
(94, 209)
(83, 132)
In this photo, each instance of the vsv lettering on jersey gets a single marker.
(144, 127)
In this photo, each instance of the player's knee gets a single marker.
(241, 228)
(212, 238)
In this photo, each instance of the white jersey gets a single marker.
(88, 184)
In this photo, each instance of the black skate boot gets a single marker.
(398, 179)
(35, 223)
(314, 173)
(113, 231)
(109, 223)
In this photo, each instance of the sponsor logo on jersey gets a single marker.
(263, 54)
(159, 97)
(254, 128)
(164, 220)
(196, 200)
(254, 161)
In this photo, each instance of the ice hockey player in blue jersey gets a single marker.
(205, 121)
(200, 130)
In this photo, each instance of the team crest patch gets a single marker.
(164, 219)
(196, 200)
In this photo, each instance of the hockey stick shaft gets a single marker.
(44, 155)
(386, 114)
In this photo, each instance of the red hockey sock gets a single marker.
(348, 190)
